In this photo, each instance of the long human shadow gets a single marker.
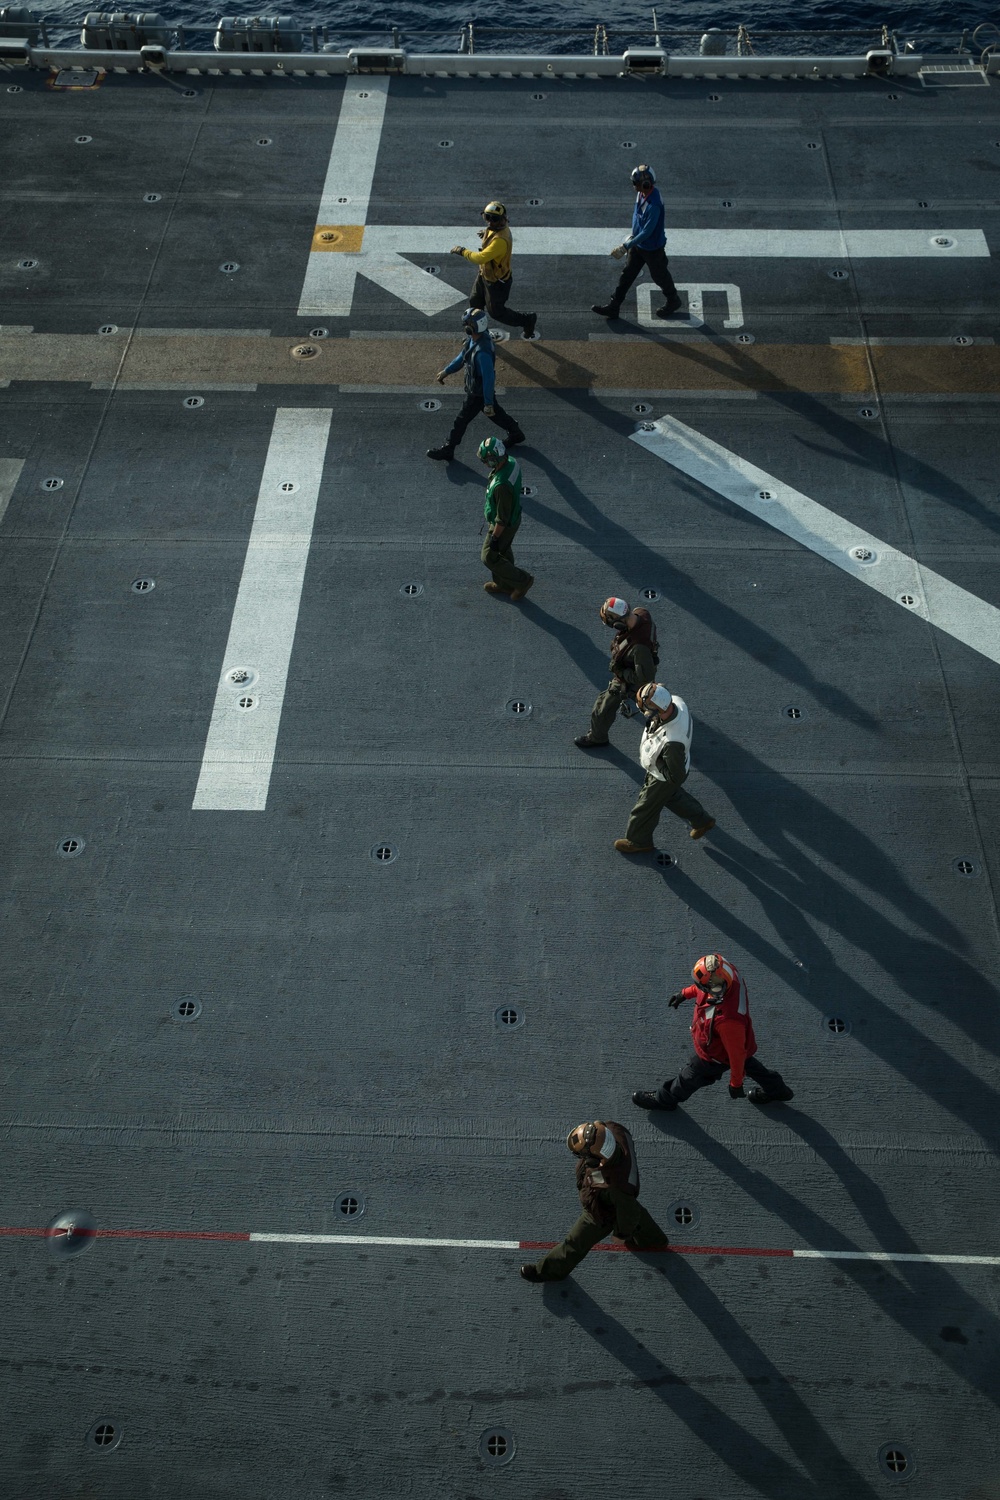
(748, 1456)
(578, 646)
(911, 1054)
(638, 563)
(922, 1284)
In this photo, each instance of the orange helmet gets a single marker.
(712, 973)
(590, 1139)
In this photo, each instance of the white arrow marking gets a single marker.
(10, 472)
(916, 589)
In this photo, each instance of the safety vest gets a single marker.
(734, 1007)
(656, 739)
(499, 269)
(509, 472)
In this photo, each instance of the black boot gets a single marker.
(780, 1094)
(528, 331)
(669, 308)
(517, 436)
(446, 451)
(646, 1100)
(605, 310)
(530, 1272)
(586, 743)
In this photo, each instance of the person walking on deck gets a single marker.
(665, 752)
(493, 279)
(479, 360)
(503, 516)
(643, 248)
(634, 660)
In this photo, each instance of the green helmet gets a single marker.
(492, 452)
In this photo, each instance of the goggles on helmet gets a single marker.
(653, 697)
(712, 973)
(475, 321)
(643, 176)
(492, 452)
(614, 612)
(495, 210)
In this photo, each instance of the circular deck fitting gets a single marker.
(745, 338)
(187, 1008)
(539, 97)
(189, 93)
(965, 867)
(962, 338)
(727, 203)
(411, 590)
(364, 94)
(288, 487)
(240, 678)
(650, 595)
(506, 1017)
(429, 405)
(646, 427)
(942, 241)
(714, 98)
(836, 1025)
(663, 859)
(628, 145)
(83, 140)
(230, 267)
(52, 484)
(193, 402)
(812, 145)
(14, 88)
(497, 1446)
(105, 1435)
(641, 408)
(383, 853)
(446, 145)
(264, 140)
(432, 270)
(70, 846)
(794, 713)
(892, 98)
(246, 703)
(766, 495)
(142, 585)
(534, 202)
(922, 203)
(71, 1232)
(684, 1213)
(350, 1205)
(868, 412)
(837, 274)
(304, 351)
(107, 328)
(909, 601)
(896, 1462)
(329, 236)
(500, 335)
(529, 491)
(518, 708)
(319, 333)
(27, 265)
(151, 197)
(342, 200)
(863, 555)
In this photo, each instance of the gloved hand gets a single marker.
(457, 250)
(676, 1000)
(496, 540)
(439, 377)
(619, 251)
(736, 1091)
(488, 411)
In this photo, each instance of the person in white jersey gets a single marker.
(665, 751)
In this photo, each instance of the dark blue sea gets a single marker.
(546, 26)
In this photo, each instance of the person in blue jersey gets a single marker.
(644, 247)
(477, 355)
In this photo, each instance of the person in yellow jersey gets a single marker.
(492, 263)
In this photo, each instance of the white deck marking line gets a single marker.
(915, 588)
(10, 473)
(239, 752)
(930, 1260)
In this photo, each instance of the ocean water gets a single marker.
(548, 26)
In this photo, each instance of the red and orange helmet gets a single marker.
(615, 612)
(712, 973)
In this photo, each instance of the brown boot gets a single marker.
(626, 846)
(699, 833)
(495, 588)
(517, 594)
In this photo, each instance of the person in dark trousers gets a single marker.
(644, 247)
(665, 752)
(722, 1032)
(503, 516)
(607, 1180)
(634, 660)
(477, 355)
(493, 280)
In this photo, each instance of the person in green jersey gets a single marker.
(503, 517)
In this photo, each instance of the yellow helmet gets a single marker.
(494, 210)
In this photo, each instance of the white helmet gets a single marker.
(614, 612)
(475, 321)
(654, 696)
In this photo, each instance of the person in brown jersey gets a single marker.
(607, 1180)
(634, 654)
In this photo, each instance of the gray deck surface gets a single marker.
(347, 1038)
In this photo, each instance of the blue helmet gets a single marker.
(475, 321)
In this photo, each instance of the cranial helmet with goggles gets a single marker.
(653, 697)
(643, 177)
(713, 974)
(592, 1140)
(475, 321)
(615, 612)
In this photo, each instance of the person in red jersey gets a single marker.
(722, 1032)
